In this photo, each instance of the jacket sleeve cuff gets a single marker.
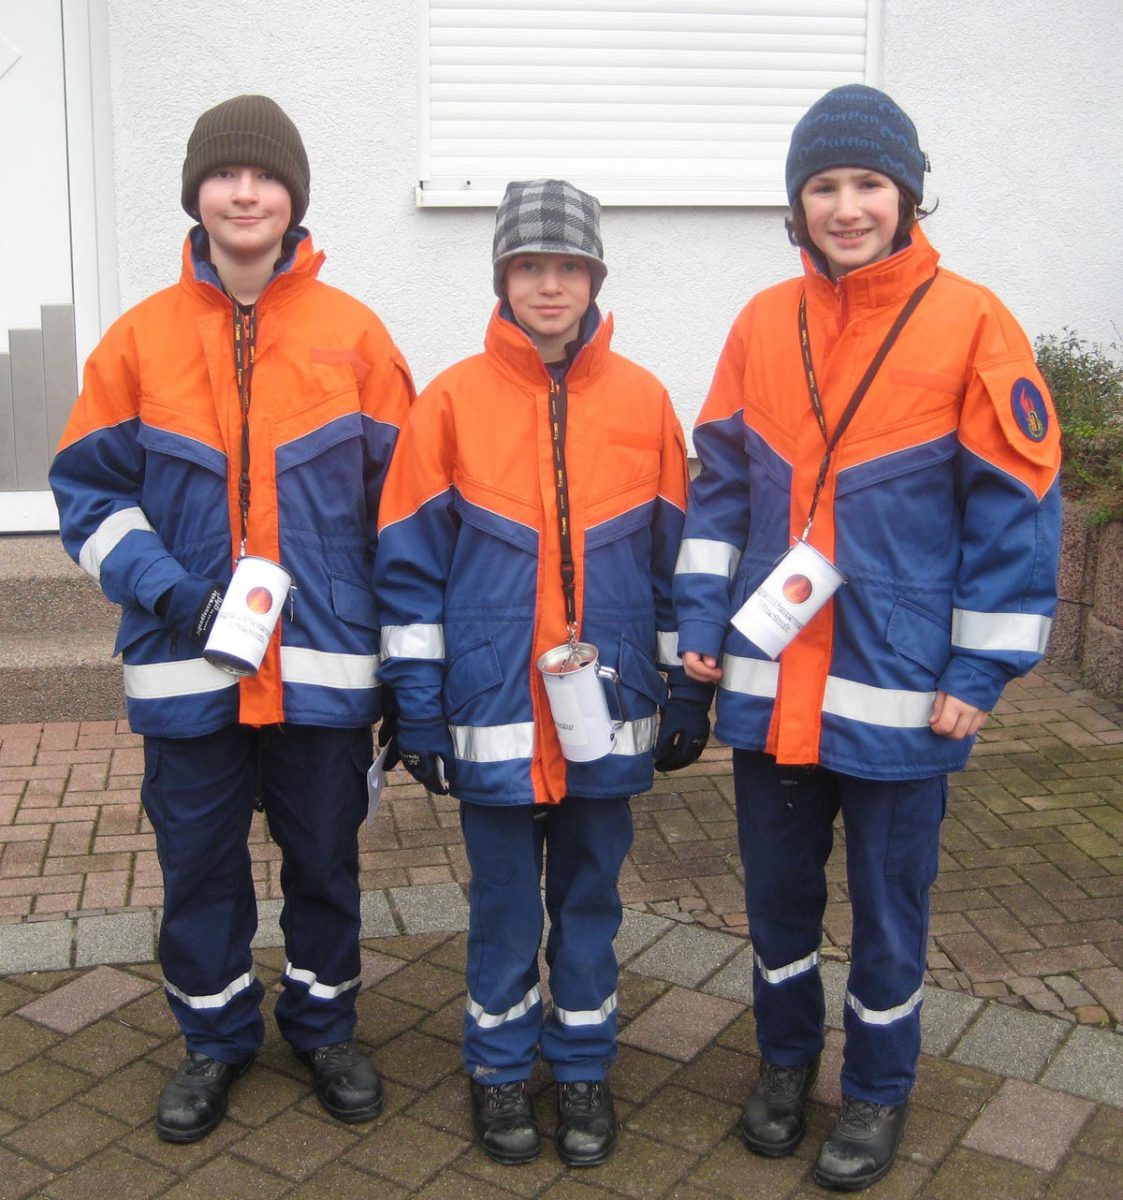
(424, 737)
(966, 680)
(703, 637)
(155, 579)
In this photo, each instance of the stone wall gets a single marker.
(1088, 630)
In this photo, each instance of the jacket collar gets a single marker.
(876, 285)
(516, 355)
(297, 267)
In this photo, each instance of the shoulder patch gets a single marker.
(1030, 411)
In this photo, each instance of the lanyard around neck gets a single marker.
(245, 343)
(833, 439)
(558, 415)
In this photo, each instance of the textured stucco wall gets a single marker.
(1017, 106)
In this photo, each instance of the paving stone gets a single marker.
(111, 1173)
(1029, 1124)
(944, 1016)
(337, 1180)
(686, 955)
(85, 999)
(42, 946)
(37, 1086)
(680, 1023)
(637, 931)
(643, 1169)
(1010, 1042)
(375, 917)
(1081, 1178)
(1090, 1064)
(729, 1171)
(115, 938)
(430, 908)
(20, 1177)
(65, 1136)
(418, 1060)
(1102, 1137)
(20, 1040)
(425, 984)
(966, 1173)
(226, 1177)
(405, 1151)
(103, 1047)
(128, 1095)
(685, 1118)
(296, 1145)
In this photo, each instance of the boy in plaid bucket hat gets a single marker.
(538, 491)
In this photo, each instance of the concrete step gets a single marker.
(42, 591)
(66, 676)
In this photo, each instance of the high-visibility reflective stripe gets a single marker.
(322, 991)
(98, 545)
(324, 668)
(890, 707)
(885, 1016)
(666, 648)
(752, 676)
(1000, 631)
(486, 1020)
(586, 1016)
(413, 641)
(493, 743)
(706, 556)
(160, 681)
(219, 998)
(779, 974)
(635, 737)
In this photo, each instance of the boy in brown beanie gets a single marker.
(248, 411)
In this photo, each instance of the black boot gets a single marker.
(775, 1116)
(586, 1123)
(193, 1101)
(863, 1145)
(503, 1122)
(346, 1082)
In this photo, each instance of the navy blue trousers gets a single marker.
(585, 842)
(199, 795)
(785, 825)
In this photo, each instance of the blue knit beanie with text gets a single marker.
(856, 126)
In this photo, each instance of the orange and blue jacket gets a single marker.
(146, 481)
(469, 567)
(941, 508)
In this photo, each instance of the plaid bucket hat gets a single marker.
(547, 216)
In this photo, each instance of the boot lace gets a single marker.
(506, 1099)
(859, 1114)
(581, 1099)
(781, 1083)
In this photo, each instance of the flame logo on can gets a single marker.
(259, 600)
(797, 589)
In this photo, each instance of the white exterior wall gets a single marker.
(1017, 106)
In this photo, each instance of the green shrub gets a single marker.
(1087, 385)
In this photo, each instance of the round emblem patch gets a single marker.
(1029, 409)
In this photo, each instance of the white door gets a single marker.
(52, 80)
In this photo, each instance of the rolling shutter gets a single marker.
(667, 102)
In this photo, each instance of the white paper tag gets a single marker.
(376, 777)
(565, 707)
(794, 591)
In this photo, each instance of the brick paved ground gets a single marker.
(1028, 908)
(1011, 1102)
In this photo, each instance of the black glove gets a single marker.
(190, 606)
(684, 730)
(425, 748)
(388, 729)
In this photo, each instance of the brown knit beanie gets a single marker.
(251, 131)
